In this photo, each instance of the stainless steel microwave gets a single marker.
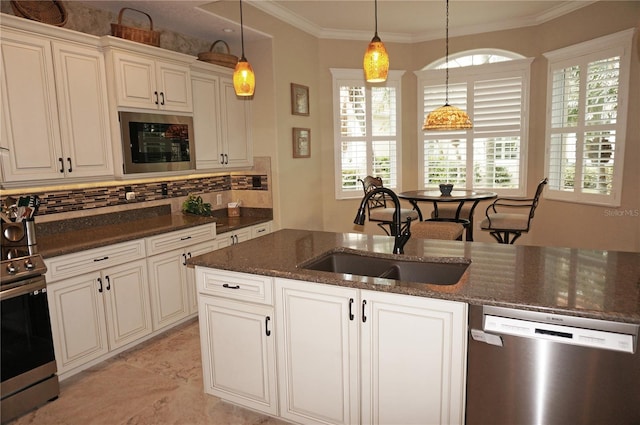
(156, 142)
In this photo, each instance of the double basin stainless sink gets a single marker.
(435, 271)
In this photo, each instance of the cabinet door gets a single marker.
(84, 111)
(168, 286)
(174, 87)
(413, 360)
(206, 121)
(232, 238)
(127, 303)
(236, 130)
(77, 320)
(239, 363)
(194, 251)
(135, 78)
(317, 335)
(29, 110)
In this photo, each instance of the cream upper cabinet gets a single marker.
(222, 121)
(55, 115)
(236, 130)
(206, 120)
(151, 83)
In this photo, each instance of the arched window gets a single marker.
(492, 86)
(474, 57)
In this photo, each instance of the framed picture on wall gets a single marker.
(301, 142)
(299, 100)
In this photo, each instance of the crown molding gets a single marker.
(311, 28)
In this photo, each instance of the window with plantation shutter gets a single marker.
(367, 131)
(586, 121)
(492, 154)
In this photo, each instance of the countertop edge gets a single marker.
(70, 242)
(241, 258)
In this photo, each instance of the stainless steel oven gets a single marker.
(156, 142)
(26, 344)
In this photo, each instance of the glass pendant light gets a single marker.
(244, 80)
(447, 117)
(376, 59)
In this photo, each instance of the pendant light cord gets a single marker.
(242, 31)
(446, 64)
(376, 16)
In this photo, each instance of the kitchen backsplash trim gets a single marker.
(83, 199)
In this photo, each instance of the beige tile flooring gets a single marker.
(156, 382)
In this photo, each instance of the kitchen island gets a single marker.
(355, 349)
(587, 283)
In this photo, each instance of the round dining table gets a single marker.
(459, 196)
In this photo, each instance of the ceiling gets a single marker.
(398, 20)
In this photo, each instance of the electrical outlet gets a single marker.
(130, 196)
(218, 199)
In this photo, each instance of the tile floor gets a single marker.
(156, 382)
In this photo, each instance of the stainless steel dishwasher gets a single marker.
(527, 367)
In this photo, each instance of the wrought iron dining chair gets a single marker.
(377, 209)
(507, 227)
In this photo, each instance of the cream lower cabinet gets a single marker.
(244, 234)
(412, 358)
(237, 337)
(350, 356)
(317, 333)
(94, 312)
(169, 277)
(192, 290)
(234, 237)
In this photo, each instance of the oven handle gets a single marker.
(31, 285)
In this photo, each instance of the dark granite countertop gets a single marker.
(587, 283)
(75, 235)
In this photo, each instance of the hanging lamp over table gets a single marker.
(447, 117)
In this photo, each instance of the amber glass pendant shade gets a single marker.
(244, 80)
(447, 117)
(376, 59)
(376, 62)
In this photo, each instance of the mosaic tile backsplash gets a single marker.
(99, 197)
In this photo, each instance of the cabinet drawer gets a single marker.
(180, 239)
(71, 265)
(234, 285)
(261, 229)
